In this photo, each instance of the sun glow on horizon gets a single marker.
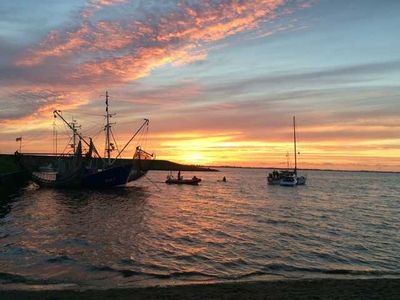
(219, 80)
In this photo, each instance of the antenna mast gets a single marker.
(74, 127)
(57, 113)
(55, 138)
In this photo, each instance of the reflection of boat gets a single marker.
(172, 180)
(288, 177)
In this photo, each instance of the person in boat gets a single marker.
(224, 179)
(194, 178)
(179, 175)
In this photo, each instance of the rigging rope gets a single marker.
(153, 183)
(115, 141)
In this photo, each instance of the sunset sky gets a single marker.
(219, 79)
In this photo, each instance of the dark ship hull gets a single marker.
(113, 176)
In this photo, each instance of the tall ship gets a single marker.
(90, 169)
(288, 177)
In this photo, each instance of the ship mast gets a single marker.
(57, 113)
(295, 150)
(109, 146)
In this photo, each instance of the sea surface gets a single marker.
(340, 224)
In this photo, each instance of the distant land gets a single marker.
(302, 169)
(8, 164)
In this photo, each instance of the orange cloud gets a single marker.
(94, 5)
(129, 48)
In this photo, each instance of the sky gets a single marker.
(220, 80)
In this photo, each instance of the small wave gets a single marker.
(60, 259)
(12, 278)
(243, 276)
(363, 272)
(190, 274)
(276, 269)
(173, 275)
(126, 272)
(288, 268)
(8, 278)
(129, 273)
(102, 269)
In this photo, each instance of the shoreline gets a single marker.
(382, 288)
(307, 169)
(8, 164)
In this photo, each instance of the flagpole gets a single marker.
(19, 139)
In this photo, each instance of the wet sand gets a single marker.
(290, 289)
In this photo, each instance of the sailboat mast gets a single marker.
(108, 126)
(295, 150)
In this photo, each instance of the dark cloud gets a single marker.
(341, 75)
(24, 103)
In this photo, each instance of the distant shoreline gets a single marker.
(381, 288)
(301, 169)
(163, 165)
(8, 164)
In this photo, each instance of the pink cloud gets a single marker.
(84, 56)
(128, 48)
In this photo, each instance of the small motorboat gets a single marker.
(172, 180)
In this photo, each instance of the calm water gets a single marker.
(340, 224)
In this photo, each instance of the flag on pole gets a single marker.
(18, 139)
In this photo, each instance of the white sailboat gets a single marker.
(288, 177)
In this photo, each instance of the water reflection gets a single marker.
(215, 231)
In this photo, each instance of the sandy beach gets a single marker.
(292, 289)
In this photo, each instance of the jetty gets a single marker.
(8, 163)
(12, 175)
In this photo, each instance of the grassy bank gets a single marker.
(291, 289)
(7, 164)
